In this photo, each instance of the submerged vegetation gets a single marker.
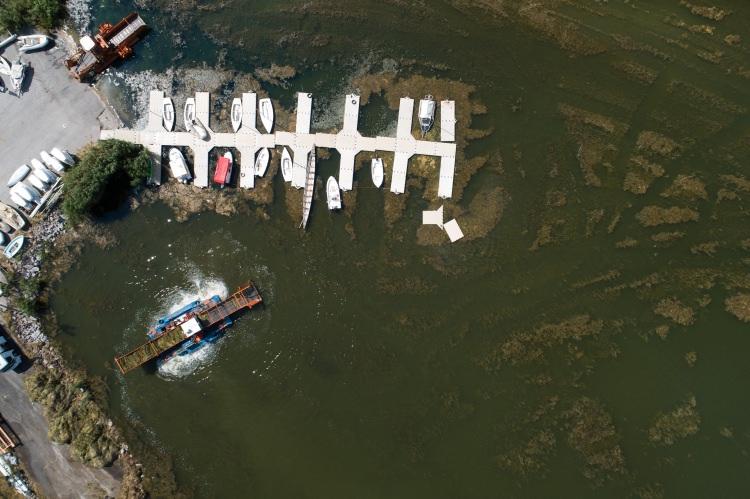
(102, 176)
(45, 14)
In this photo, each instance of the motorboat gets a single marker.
(39, 170)
(4, 66)
(167, 114)
(192, 123)
(376, 172)
(18, 175)
(63, 156)
(426, 113)
(20, 202)
(27, 192)
(333, 193)
(37, 183)
(10, 216)
(286, 165)
(14, 246)
(261, 162)
(223, 173)
(178, 166)
(236, 114)
(17, 75)
(29, 43)
(266, 113)
(51, 161)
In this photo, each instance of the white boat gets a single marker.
(17, 75)
(236, 114)
(286, 165)
(14, 247)
(30, 43)
(18, 175)
(178, 166)
(11, 39)
(266, 113)
(19, 201)
(167, 114)
(261, 162)
(38, 169)
(376, 172)
(192, 124)
(4, 66)
(63, 156)
(51, 161)
(27, 192)
(36, 182)
(333, 193)
(426, 113)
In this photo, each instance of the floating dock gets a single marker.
(247, 297)
(348, 141)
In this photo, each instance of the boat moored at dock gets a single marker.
(178, 166)
(167, 114)
(376, 172)
(333, 194)
(266, 113)
(286, 165)
(236, 114)
(223, 173)
(189, 328)
(426, 113)
(261, 162)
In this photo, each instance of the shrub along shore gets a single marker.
(76, 403)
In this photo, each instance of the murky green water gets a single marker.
(379, 367)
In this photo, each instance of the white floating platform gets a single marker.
(433, 217)
(448, 121)
(453, 230)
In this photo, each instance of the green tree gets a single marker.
(15, 14)
(105, 171)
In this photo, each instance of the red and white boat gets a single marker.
(223, 172)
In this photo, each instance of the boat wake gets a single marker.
(200, 288)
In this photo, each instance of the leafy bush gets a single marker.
(15, 14)
(103, 174)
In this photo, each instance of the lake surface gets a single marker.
(583, 347)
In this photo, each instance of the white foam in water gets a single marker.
(201, 288)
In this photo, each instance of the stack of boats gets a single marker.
(31, 186)
(16, 70)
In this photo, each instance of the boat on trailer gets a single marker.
(333, 194)
(29, 43)
(426, 113)
(286, 165)
(236, 114)
(261, 162)
(190, 328)
(376, 172)
(266, 113)
(167, 114)
(223, 173)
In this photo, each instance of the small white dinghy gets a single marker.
(36, 182)
(19, 201)
(266, 113)
(236, 114)
(29, 43)
(376, 171)
(286, 165)
(261, 162)
(18, 175)
(178, 166)
(14, 247)
(333, 193)
(63, 156)
(192, 124)
(38, 169)
(167, 114)
(27, 192)
(4, 66)
(51, 161)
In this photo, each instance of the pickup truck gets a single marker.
(9, 359)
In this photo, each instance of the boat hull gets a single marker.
(333, 194)
(167, 114)
(266, 114)
(261, 162)
(236, 114)
(376, 172)
(286, 165)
